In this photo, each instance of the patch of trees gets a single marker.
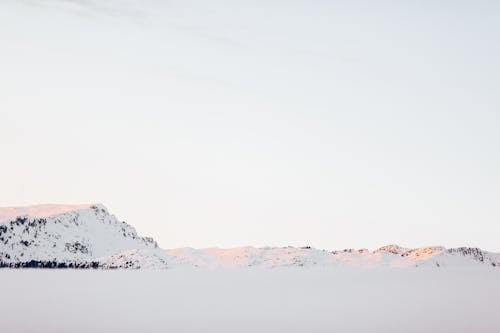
(474, 252)
(51, 264)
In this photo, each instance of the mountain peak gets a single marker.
(392, 248)
(42, 210)
(78, 236)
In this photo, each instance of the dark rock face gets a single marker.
(76, 247)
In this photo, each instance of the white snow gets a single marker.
(387, 256)
(89, 233)
(81, 233)
(286, 289)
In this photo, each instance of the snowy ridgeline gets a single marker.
(87, 236)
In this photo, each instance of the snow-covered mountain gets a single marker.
(387, 256)
(73, 236)
(87, 236)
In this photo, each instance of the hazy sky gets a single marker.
(226, 123)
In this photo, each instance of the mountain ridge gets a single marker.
(88, 236)
(42, 210)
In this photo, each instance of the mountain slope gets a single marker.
(73, 236)
(387, 256)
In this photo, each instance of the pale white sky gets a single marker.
(226, 123)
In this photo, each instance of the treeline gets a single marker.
(51, 264)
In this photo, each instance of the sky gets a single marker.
(335, 124)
